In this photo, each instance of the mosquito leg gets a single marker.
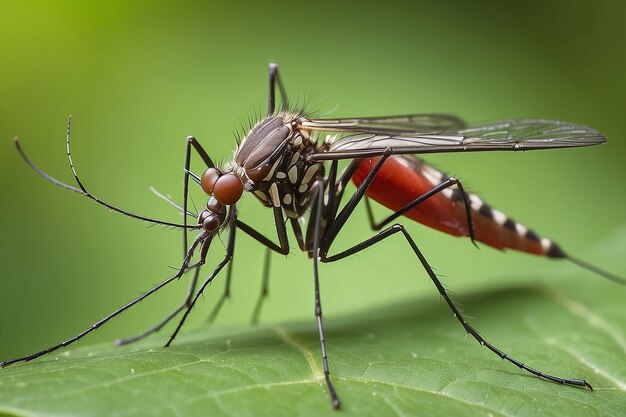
(297, 231)
(264, 287)
(337, 188)
(269, 245)
(397, 228)
(183, 268)
(274, 79)
(225, 295)
(347, 173)
(335, 227)
(449, 182)
(333, 192)
(230, 247)
(282, 248)
(281, 231)
(318, 302)
(336, 223)
(190, 143)
(174, 313)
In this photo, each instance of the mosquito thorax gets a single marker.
(271, 160)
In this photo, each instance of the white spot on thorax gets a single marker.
(309, 173)
(271, 173)
(261, 195)
(293, 174)
(274, 195)
(294, 158)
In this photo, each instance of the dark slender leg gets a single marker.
(184, 267)
(227, 258)
(186, 188)
(335, 189)
(318, 302)
(264, 287)
(344, 178)
(190, 143)
(274, 79)
(417, 201)
(346, 211)
(174, 313)
(297, 231)
(281, 231)
(336, 227)
(397, 228)
(218, 306)
(225, 295)
(283, 249)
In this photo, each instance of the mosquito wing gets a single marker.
(512, 135)
(386, 124)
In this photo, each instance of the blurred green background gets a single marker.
(138, 77)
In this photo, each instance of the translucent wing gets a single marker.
(514, 134)
(401, 123)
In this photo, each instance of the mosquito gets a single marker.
(289, 161)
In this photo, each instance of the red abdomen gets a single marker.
(403, 178)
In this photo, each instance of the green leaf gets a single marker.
(407, 359)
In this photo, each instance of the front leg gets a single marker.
(317, 238)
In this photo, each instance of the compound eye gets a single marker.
(228, 189)
(208, 179)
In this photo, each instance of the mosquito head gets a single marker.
(225, 188)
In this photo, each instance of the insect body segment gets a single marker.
(403, 178)
(281, 162)
(272, 161)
